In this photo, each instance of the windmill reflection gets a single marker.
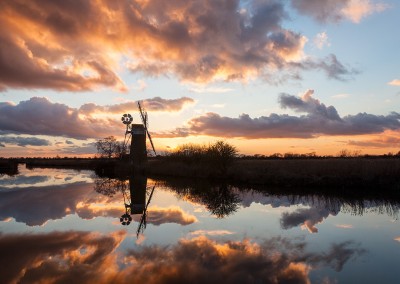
(137, 197)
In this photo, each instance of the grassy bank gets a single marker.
(8, 167)
(378, 173)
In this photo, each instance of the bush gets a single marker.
(214, 159)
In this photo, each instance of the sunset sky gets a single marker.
(267, 76)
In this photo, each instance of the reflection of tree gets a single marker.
(220, 199)
(355, 206)
(109, 186)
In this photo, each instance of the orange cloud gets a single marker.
(395, 82)
(157, 216)
(79, 46)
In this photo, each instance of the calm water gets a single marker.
(66, 226)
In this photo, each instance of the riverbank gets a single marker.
(368, 173)
(377, 173)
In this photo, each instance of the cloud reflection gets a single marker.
(61, 257)
(307, 218)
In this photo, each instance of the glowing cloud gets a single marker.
(79, 46)
(395, 82)
(318, 120)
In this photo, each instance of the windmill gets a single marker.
(143, 115)
(137, 133)
(136, 201)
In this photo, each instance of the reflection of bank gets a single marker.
(136, 201)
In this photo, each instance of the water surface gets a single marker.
(62, 225)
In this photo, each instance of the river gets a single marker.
(60, 225)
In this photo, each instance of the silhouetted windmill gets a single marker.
(137, 134)
(136, 201)
(143, 115)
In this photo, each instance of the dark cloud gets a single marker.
(78, 46)
(337, 10)
(322, 11)
(22, 179)
(39, 116)
(86, 148)
(35, 206)
(332, 67)
(318, 120)
(24, 141)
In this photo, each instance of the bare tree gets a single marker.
(109, 147)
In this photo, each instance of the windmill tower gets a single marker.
(137, 134)
(136, 201)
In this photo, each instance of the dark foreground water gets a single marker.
(66, 226)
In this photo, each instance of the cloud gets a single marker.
(39, 116)
(154, 104)
(340, 96)
(84, 257)
(80, 46)
(46, 46)
(211, 233)
(321, 40)
(395, 82)
(317, 120)
(383, 141)
(61, 256)
(344, 226)
(358, 9)
(333, 68)
(36, 206)
(203, 89)
(397, 239)
(155, 216)
(158, 216)
(24, 141)
(23, 180)
(308, 218)
(338, 10)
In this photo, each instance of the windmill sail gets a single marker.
(142, 223)
(143, 115)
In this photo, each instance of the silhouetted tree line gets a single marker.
(219, 156)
